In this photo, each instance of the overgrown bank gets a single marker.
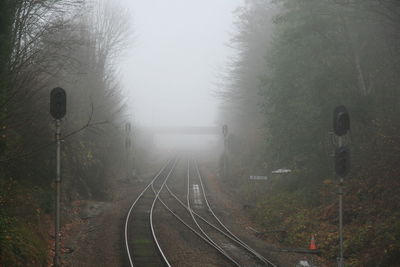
(46, 44)
(296, 61)
(294, 213)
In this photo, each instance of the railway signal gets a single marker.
(341, 126)
(58, 103)
(341, 120)
(342, 161)
(58, 109)
(225, 130)
(128, 128)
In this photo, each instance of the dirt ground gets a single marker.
(94, 237)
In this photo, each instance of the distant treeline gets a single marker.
(296, 61)
(45, 44)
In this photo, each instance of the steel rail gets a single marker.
(213, 245)
(227, 235)
(198, 225)
(245, 245)
(207, 222)
(206, 238)
(151, 213)
(186, 224)
(131, 208)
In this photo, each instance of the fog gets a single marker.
(170, 71)
(103, 103)
(179, 49)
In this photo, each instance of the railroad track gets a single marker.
(217, 231)
(141, 242)
(196, 215)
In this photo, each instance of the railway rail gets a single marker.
(139, 226)
(141, 242)
(242, 252)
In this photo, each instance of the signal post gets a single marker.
(341, 125)
(225, 156)
(58, 108)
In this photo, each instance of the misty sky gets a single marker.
(172, 67)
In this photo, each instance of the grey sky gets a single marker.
(171, 69)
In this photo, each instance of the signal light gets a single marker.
(58, 103)
(341, 120)
(225, 130)
(342, 161)
(128, 127)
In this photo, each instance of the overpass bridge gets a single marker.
(185, 130)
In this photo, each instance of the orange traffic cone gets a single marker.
(312, 243)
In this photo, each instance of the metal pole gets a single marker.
(341, 263)
(340, 193)
(127, 148)
(56, 260)
(127, 157)
(225, 160)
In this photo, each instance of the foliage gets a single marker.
(20, 246)
(317, 55)
(45, 44)
(21, 242)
